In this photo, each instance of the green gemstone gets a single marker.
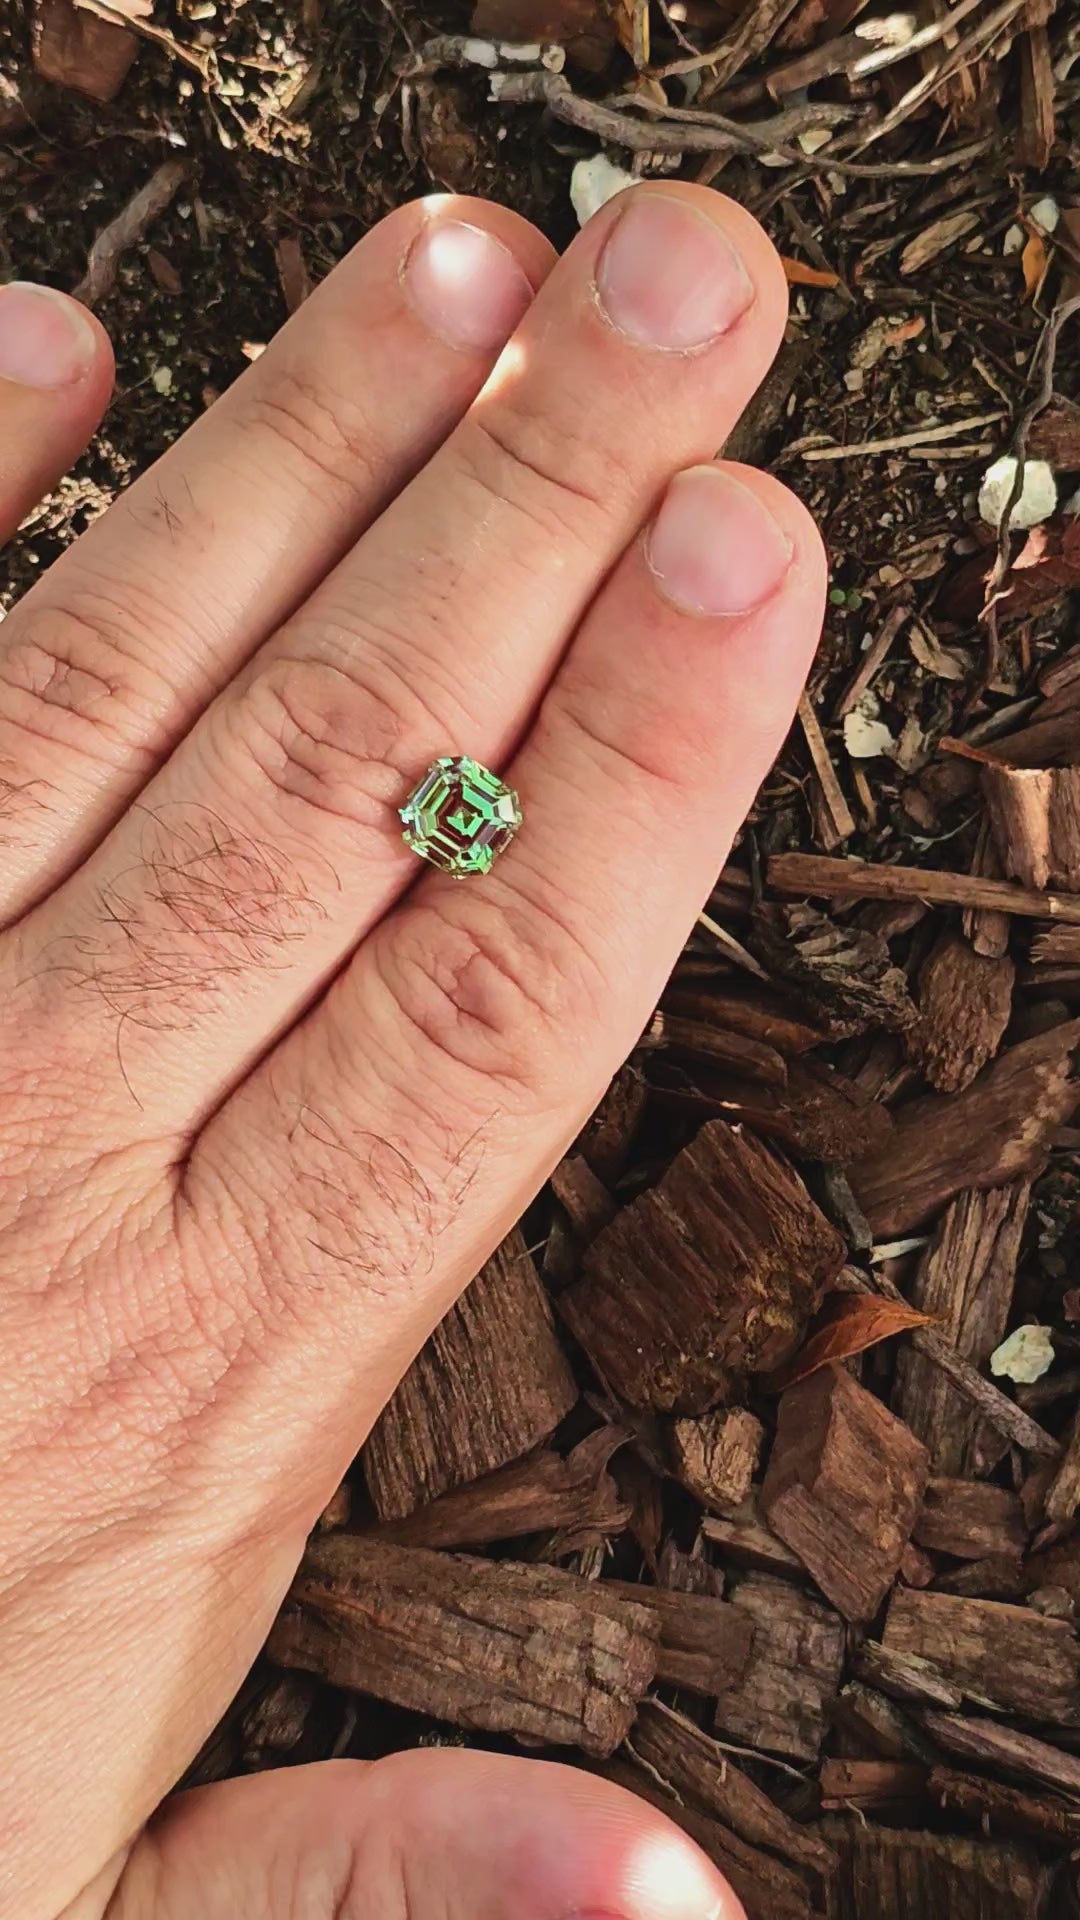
(460, 817)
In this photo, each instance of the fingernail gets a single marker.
(669, 276)
(46, 340)
(714, 547)
(466, 286)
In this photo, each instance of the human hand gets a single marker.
(271, 1091)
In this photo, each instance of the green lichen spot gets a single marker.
(460, 817)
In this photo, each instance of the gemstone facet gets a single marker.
(460, 817)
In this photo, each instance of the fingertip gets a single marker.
(51, 343)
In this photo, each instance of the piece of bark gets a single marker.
(746, 1542)
(74, 48)
(705, 1644)
(999, 1577)
(491, 1383)
(527, 1496)
(844, 975)
(752, 1011)
(965, 1279)
(820, 1115)
(843, 1488)
(880, 1724)
(607, 1138)
(995, 1808)
(274, 1725)
(836, 817)
(1000, 1127)
(1063, 1493)
(585, 30)
(748, 441)
(1035, 815)
(716, 1457)
(783, 1701)
(716, 1046)
(848, 879)
(709, 1276)
(689, 1572)
(916, 1567)
(998, 1655)
(905, 1676)
(767, 1887)
(1054, 435)
(867, 1784)
(988, 930)
(889, 1873)
(700, 1774)
(1036, 132)
(964, 999)
(1004, 1750)
(1056, 946)
(584, 1198)
(970, 1518)
(492, 1647)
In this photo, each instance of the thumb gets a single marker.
(431, 1834)
(56, 375)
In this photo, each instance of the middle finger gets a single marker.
(269, 845)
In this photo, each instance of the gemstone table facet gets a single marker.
(460, 817)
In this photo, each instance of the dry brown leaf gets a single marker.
(799, 275)
(853, 1322)
(1033, 262)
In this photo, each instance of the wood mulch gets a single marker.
(709, 1480)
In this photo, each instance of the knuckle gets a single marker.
(326, 433)
(552, 471)
(488, 987)
(324, 743)
(68, 677)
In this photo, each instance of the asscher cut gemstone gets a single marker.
(460, 817)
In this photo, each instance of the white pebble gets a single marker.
(1014, 240)
(594, 182)
(1038, 495)
(865, 736)
(1025, 1356)
(162, 379)
(1046, 213)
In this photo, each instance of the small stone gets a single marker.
(460, 817)
(1025, 1356)
(1038, 494)
(594, 182)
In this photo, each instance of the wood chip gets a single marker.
(127, 229)
(867, 1784)
(937, 238)
(965, 1279)
(493, 1647)
(699, 1772)
(839, 821)
(542, 1492)
(489, 1385)
(997, 1809)
(1001, 1127)
(783, 1701)
(588, 35)
(1063, 1494)
(1036, 135)
(971, 1518)
(844, 975)
(843, 1488)
(710, 1276)
(1018, 1756)
(892, 1874)
(716, 1457)
(607, 1138)
(849, 879)
(73, 48)
(1035, 815)
(746, 1541)
(997, 1655)
(964, 999)
(705, 1643)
